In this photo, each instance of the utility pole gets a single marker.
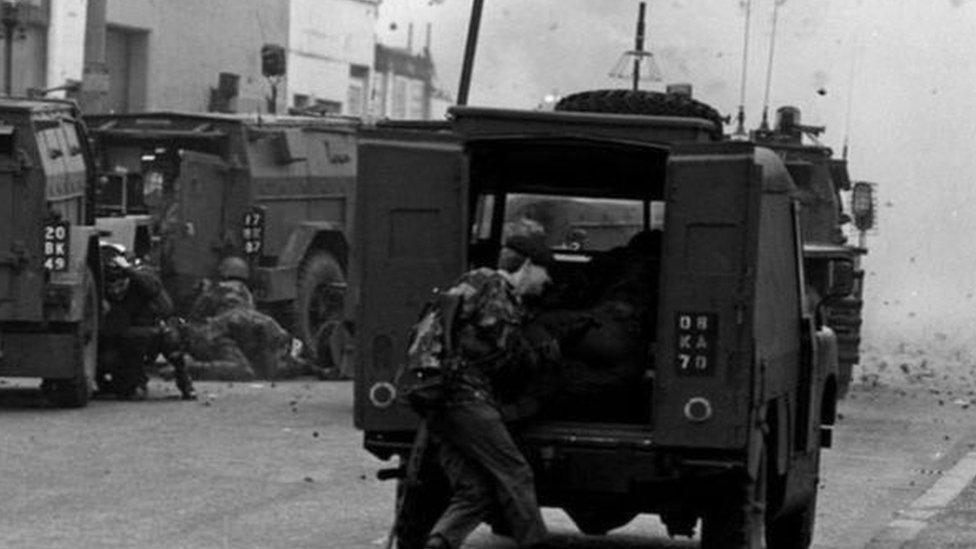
(639, 44)
(95, 77)
(470, 46)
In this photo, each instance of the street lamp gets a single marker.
(637, 64)
(11, 16)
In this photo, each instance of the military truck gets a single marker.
(726, 376)
(49, 262)
(820, 178)
(185, 190)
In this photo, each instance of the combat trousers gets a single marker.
(125, 356)
(487, 473)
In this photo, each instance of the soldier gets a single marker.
(229, 338)
(485, 468)
(137, 326)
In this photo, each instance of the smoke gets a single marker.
(906, 137)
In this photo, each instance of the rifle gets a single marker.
(411, 476)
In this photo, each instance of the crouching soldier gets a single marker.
(137, 326)
(231, 340)
(481, 346)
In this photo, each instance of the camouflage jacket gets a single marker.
(494, 353)
(219, 297)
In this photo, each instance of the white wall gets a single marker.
(66, 42)
(325, 38)
(190, 42)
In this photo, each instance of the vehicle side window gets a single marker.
(50, 147)
(74, 154)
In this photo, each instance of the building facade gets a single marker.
(198, 56)
(192, 55)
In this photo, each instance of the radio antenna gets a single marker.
(740, 131)
(764, 126)
(850, 97)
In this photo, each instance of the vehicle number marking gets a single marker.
(57, 246)
(253, 231)
(696, 338)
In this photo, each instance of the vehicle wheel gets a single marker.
(598, 521)
(641, 102)
(737, 519)
(795, 529)
(319, 304)
(75, 392)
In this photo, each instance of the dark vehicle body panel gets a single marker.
(48, 243)
(731, 260)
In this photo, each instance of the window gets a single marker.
(576, 223)
(416, 108)
(399, 97)
(355, 97)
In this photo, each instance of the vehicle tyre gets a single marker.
(319, 304)
(76, 391)
(641, 102)
(795, 528)
(737, 518)
(597, 521)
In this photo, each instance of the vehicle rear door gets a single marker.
(703, 380)
(21, 233)
(410, 238)
(198, 238)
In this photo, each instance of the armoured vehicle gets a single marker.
(49, 262)
(719, 380)
(820, 178)
(185, 190)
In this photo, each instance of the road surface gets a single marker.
(261, 465)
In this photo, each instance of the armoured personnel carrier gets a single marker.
(820, 177)
(184, 190)
(49, 254)
(722, 377)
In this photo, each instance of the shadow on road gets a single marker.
(22, 396)
(565, 540)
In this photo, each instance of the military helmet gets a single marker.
(115, 266)
(234, 268)
(116, 270)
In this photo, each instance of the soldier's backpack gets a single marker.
(430, 360)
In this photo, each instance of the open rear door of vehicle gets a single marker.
(197, 244)
(704, 375)
(410, 238)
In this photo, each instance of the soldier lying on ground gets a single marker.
(228, 339)
(137, 326)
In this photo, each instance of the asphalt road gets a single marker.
(256, 465)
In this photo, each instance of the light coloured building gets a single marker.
(30, 44)
(195, 55)
(206, 55)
